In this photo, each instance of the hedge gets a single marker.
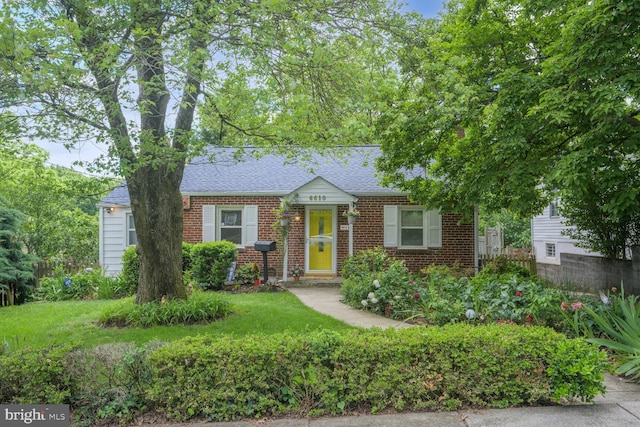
(373, 370)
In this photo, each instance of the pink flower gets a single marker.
(576, 305)
(411, 282)
(563, 306)
(417, 296)
(518, 293)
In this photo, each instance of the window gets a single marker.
(551, 250)
(237, 224)
(553, 209)
(230, 225)
(132, 237)
(412, 227)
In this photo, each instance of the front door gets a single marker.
(320, 240)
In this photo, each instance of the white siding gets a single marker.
(114, 240)
(548, 230)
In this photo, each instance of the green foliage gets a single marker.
(516, 230)
(510, 104)
(16, 267)
(88, 284)
(621, 332)
(111, 380)
(34, 376)
(130, 272)
(330, 373)
(211, 262)
(186, 256)
(247, 273)
(501, 265)
(365, 262)
(200, 307)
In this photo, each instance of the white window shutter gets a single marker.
(390, 226)
(208, 223)
(435, 229)
(250, 225)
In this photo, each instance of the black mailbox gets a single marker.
(264, 246)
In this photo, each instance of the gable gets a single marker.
(321, 191)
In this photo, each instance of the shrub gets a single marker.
(88, 284)
(365, 262)
(36, 376)
(186, 256)
(200, 307)
(247, 273)
(211, 262)
(327, 372)
(130, 271)
(111, 381)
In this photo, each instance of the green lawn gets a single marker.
(38, 324)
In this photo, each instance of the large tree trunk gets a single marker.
(156, 205)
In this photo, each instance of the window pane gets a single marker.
(411, 237)
(231, 234)
(230, 218)
(411, 218)
(133, 238)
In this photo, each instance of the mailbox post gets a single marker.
(265, 246)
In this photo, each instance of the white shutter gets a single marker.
(208, 223)
(390, 226)
(435, 229)
(250, 225)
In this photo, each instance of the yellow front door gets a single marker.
(320, 240)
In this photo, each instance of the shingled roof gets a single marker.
(223, 173)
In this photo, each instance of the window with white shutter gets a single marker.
(237, 224)
(412, 227)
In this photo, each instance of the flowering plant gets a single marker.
(296, 270)
(352, 212)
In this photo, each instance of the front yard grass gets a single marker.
(39, 324)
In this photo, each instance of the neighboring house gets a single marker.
(237, 201)
(548, 239)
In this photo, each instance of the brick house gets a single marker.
(237, 200)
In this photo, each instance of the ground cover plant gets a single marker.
(438, 295)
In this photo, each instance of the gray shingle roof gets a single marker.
(352, 171)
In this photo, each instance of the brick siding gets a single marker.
(368, 232)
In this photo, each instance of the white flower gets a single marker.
(398, 297)
(604, 298)
(371, 295)
(374, 300)
(376, 283)
(470, 314)
(364, 303)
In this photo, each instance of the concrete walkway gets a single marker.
(619, 407)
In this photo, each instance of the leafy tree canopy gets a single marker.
(138, 75)
(508, 103)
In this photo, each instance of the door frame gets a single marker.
(334, 238)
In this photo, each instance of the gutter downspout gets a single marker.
(476, 239)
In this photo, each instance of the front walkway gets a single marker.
(326, 300)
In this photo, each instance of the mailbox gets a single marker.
(265, 245)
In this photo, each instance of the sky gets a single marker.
(88, 151)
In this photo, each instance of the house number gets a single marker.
(316, 198)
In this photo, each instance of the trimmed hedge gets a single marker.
(210, 263)
(328, 372)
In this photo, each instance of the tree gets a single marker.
(59, 204)
(508, 102)
(16, 267)
(132, 73)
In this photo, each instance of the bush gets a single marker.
(131, 267)
(36, 376)
(211, 261)
(327, 372)
(365, 262)
(88, 284)
(130, 271)
(198, 308)
(247, 273)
